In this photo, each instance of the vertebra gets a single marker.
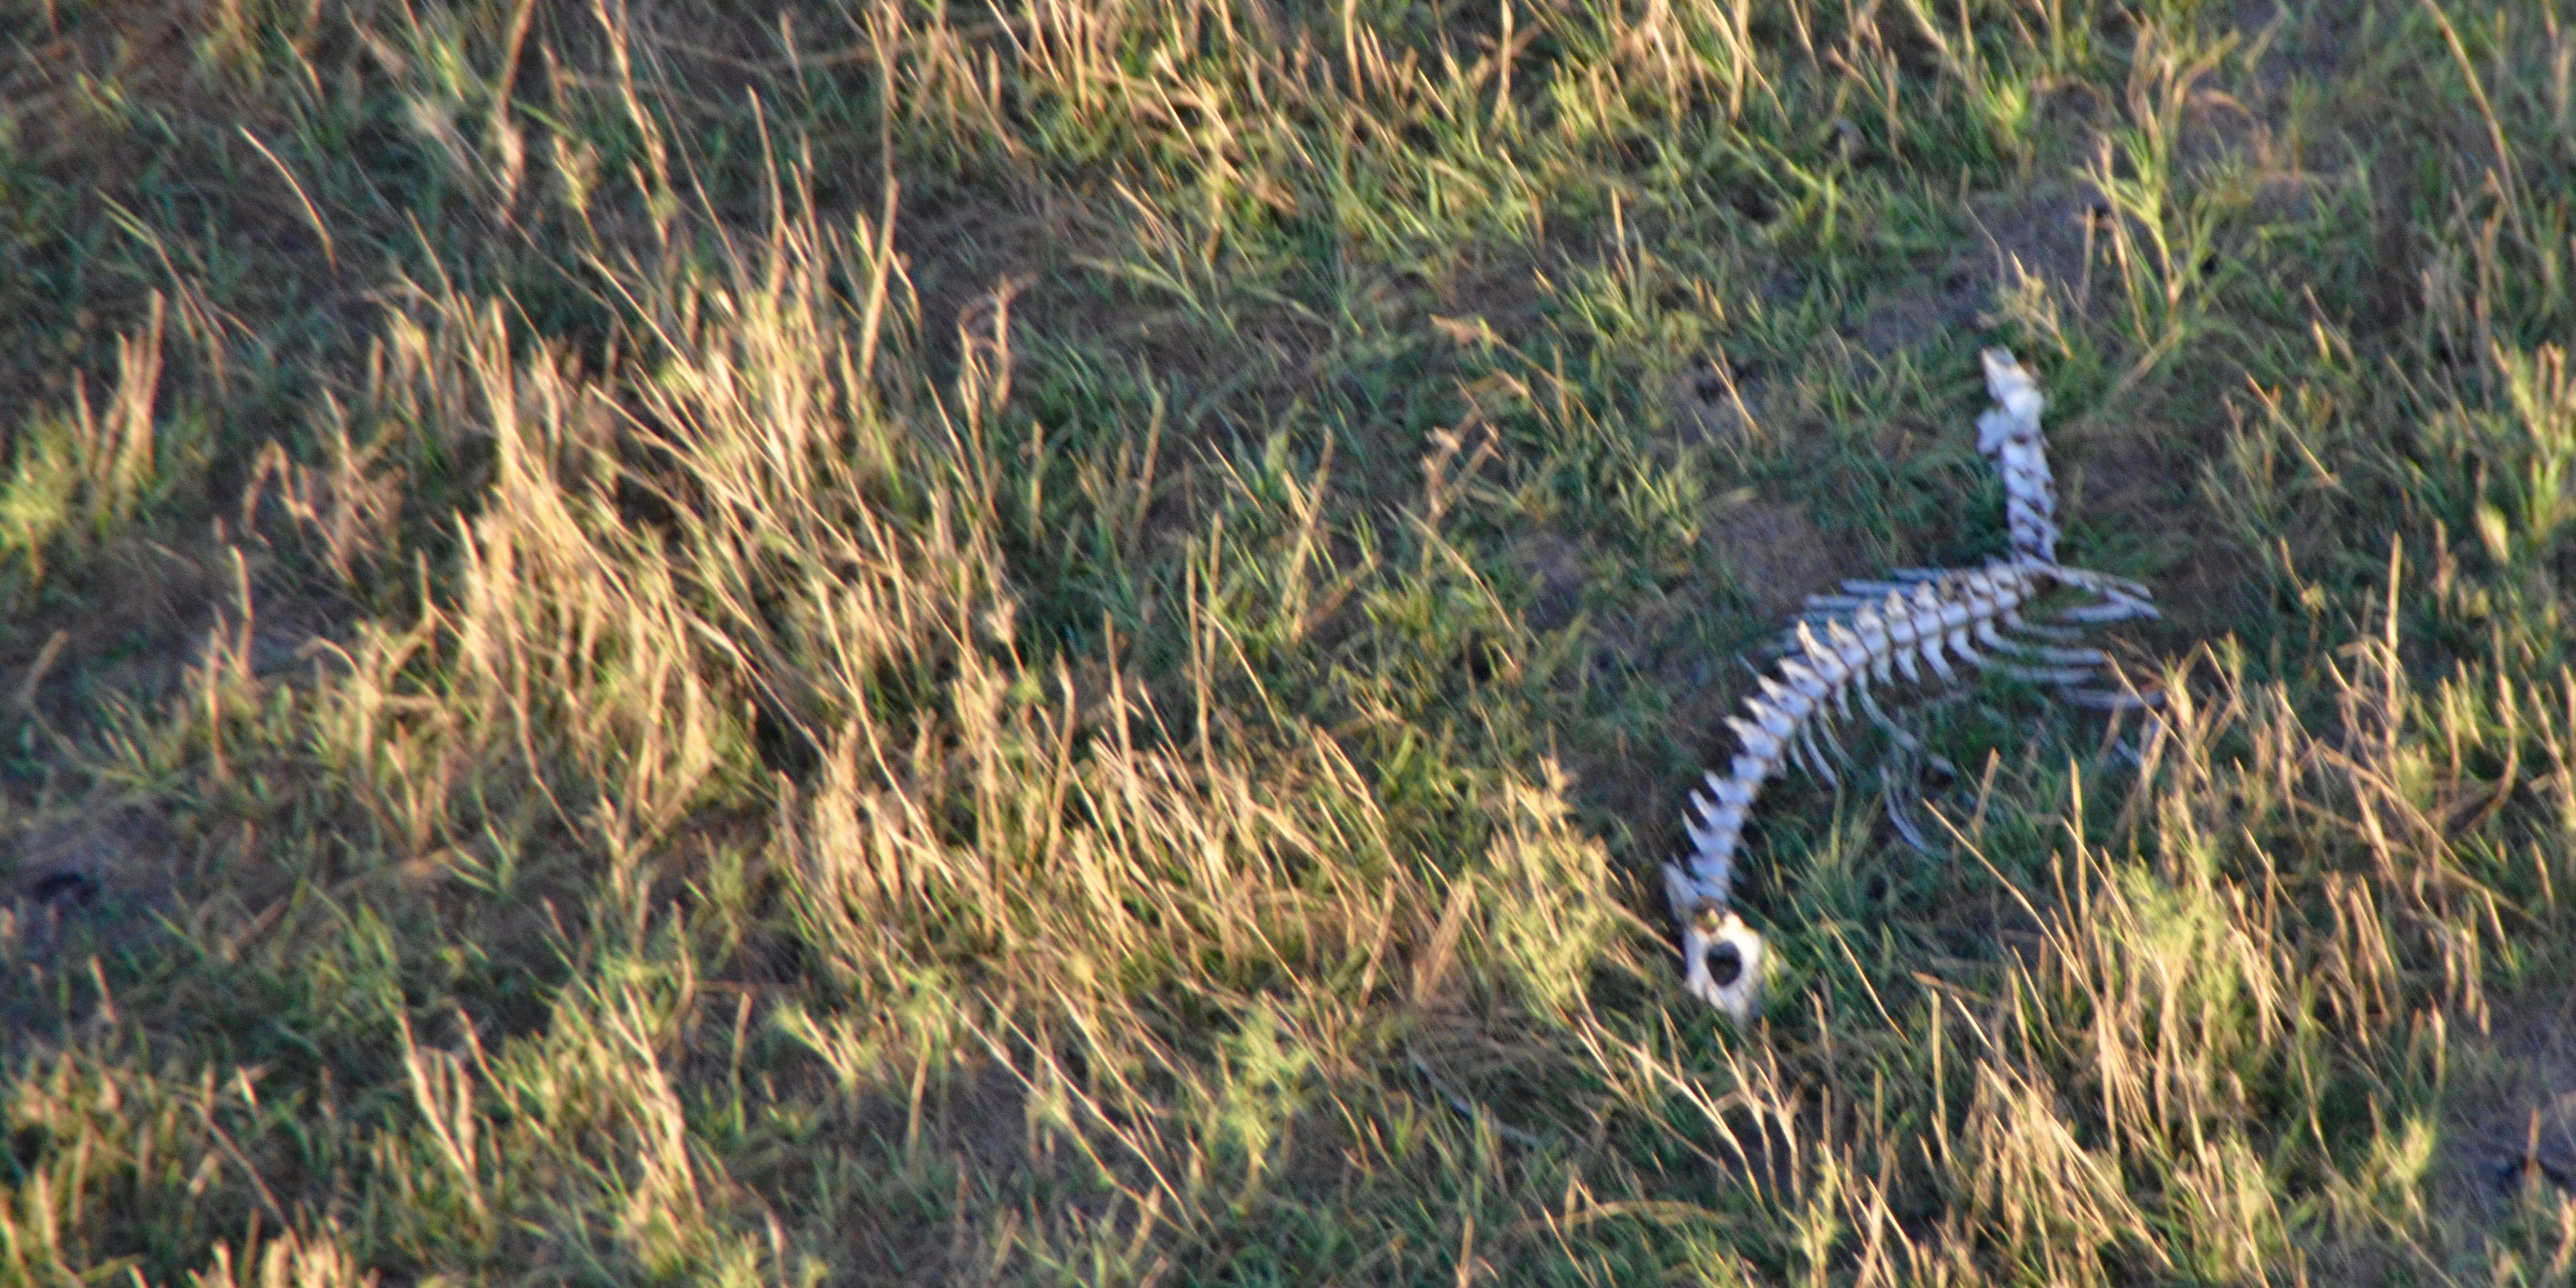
(2008, 435)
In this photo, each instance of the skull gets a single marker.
(1721, 956)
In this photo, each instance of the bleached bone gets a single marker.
(1910, 754)
(2111, 699)
(2008, 434)
(1926, 626)
(1721, 956)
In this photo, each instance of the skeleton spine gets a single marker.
(1973, 617)
(1915, 620)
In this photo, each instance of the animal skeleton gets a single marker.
(1915, 621)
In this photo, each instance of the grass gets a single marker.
(864, 643)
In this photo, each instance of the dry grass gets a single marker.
(860, 643)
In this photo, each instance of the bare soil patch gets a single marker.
(1775, 556)
(2512, 1121)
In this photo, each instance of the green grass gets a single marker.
(873, 643)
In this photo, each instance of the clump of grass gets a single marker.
(82, 473)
